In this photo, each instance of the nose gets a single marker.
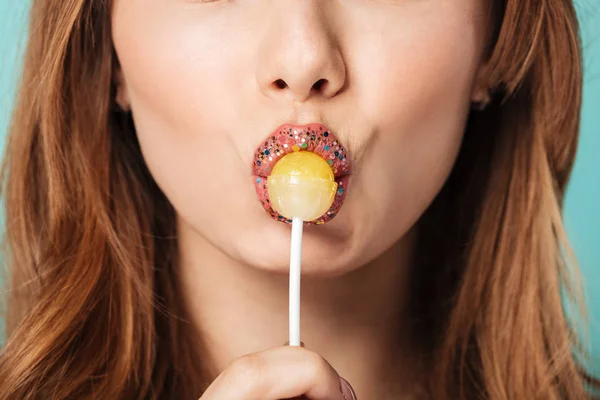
(299, 57)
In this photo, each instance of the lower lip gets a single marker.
(260, 184)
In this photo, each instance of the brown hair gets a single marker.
(93, 305)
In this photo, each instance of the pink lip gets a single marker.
(312, 137)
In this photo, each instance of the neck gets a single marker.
(354, 320)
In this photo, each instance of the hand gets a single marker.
(280, 373)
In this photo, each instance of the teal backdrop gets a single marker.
(582, 212)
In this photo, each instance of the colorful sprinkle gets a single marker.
(330, 162)
(326, 148)
(295, 148)
(258, 180)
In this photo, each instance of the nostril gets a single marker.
(280, 84)
(318, 86)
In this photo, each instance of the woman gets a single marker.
(144, 267)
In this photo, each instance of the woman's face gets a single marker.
(209, 81)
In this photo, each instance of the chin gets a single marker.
(326, 249)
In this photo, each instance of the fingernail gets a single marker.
(347, 391)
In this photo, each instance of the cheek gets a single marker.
(171, 62)
(177, 80)
(417, 98)
(417, 72)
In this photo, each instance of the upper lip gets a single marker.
(314, 137)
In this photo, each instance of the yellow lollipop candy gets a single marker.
(301, 185)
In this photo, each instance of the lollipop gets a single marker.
(302, 188)
(300, 176)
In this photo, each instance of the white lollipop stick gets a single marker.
(295, 262)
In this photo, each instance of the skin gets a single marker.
(400, 76)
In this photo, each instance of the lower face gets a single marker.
(208, 81)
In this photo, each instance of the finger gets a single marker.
(280, 373)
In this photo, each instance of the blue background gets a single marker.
(582, 208)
